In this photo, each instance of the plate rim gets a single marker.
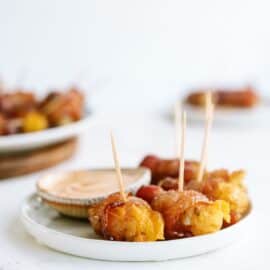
(35, 140)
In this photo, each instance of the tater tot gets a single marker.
(34, 121)
(133, 220)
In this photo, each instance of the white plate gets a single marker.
(27, 141)
(76, 237)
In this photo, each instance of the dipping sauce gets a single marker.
(89, 184)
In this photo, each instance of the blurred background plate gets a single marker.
(229, 115)
(34, 140)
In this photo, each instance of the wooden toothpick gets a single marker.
(177, 127)
(118, 170)
(208, 124)
(182, 153)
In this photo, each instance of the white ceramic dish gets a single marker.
(76, 237)
(27, 141)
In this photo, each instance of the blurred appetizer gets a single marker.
(22, 112)
(245, 97)
(63, 108)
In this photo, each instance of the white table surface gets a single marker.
(137, 135)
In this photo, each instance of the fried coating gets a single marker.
(245, 97)
(222, 185)
(161, 168)
(133, 220)
(63, 108)
(190, 213)
(229, 187)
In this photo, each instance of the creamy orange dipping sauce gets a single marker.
(88, 184)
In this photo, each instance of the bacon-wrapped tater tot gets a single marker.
(222, 185)
(161, 168)
(133, 220)
(244, 98)
(16, 104)
(63, 108)
(190, 213)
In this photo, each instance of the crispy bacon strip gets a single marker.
(16, 104)
(130, 220)
(161, 168)
(62, 108)
(190, 213)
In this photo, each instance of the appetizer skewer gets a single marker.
(125, 217)
(21, 111)
(220, 184)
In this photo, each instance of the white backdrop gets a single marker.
(136, 53)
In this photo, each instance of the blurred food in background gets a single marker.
(21, 111)
(245, 97)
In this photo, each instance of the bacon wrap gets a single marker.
(173, 205)
(62, 107)
(16, 104)
(131, 220)
(243, 98)
(223, 185)
(162, 168)
(168, 183)
(105, 220)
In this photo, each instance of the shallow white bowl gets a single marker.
(76, 237)
(143, 177)
(27, 141)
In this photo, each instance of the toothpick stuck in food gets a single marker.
(118, 170)
(209, 120)
(177, 127)
(182, 153)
